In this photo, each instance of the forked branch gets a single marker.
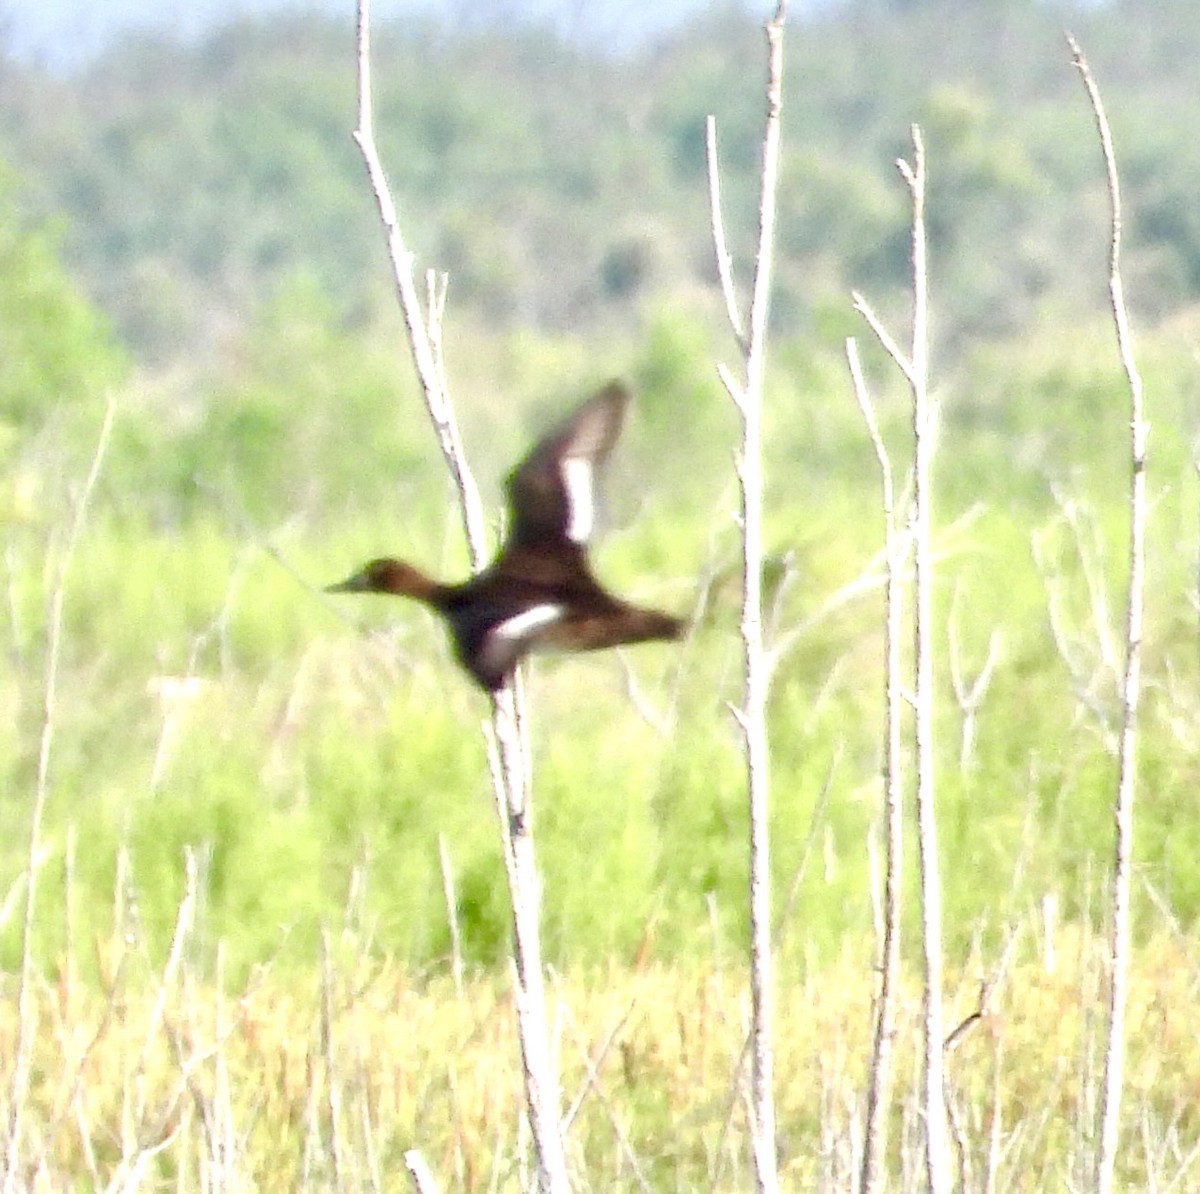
(914, 364)
(751, 717)
(504, 732)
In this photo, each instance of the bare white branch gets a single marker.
(969, 695)
(1119, 930)
(724, 262)
(896, 547)
(898, 355)
(750, 715)
(915, 367)
(506, 751)
(419, 1173)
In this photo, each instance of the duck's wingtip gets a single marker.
(616, 391)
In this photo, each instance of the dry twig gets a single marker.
(747, 396)
(505, 735)
(1119, 939)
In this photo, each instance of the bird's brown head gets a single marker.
(387, 576)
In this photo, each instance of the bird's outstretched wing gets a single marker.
(552, 492)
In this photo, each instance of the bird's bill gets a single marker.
(352, 584)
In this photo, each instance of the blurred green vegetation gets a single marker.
(211, 696)
(269, 438)
(562, 182)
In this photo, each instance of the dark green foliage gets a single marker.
(58, 356)
(560, 184)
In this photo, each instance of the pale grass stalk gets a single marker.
(872, 577)
(1087, 539)
(451, 899)
(912, 1137)
(592, 1066)
(367, 1127)
(1083, 655)
(26, 1011)
(507, 752)
(662, 723)
(75, 1104)
(880, 1084)
(1184, 1168)
(594, 1062)
(996, 1132)
(784, 916)
(460, 1159)
(1119, 929)
(144, 1136)
(838, 1157)
(1081, 1161)
(958, 1116)
(333, 1093)
(747, 396)
(184, 921)
(969, 694)
(69, 974)
(18, 888)
(1196, 577)
(365, 1066)
(219, 1159)
(310, 1152)
(915, 367)
(224, 1146)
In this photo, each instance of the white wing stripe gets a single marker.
(519, 625)
(581, 508)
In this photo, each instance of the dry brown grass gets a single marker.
(322, 1083)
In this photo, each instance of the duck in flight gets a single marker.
(539, 592)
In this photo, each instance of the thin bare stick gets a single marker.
(898, 355)
(781, 926)
(724, 261)
(419, 1173)
(333, 1094)
(456, 963)
(1119, 942)
(18, 1087)
(592, 1084)
(879, 1086)
(747, 396)
(509, 772)
(424, 359)
(937, 1161)
(969, 695)
(915, 367)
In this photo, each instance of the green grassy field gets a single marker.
(311, 753)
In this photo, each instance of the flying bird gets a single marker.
(539, 593)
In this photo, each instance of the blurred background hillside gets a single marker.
(185, 225)
(555, 166)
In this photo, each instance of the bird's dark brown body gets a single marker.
(539, 592)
